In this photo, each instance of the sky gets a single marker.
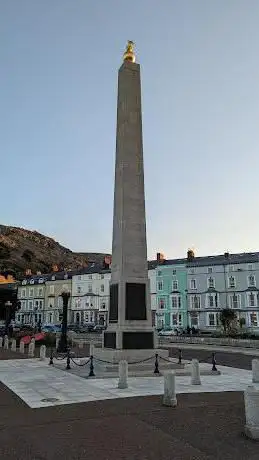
(200, 96)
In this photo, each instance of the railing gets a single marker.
(69, 357)
(226, 341)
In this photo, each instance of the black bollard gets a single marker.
(156, 371)
(51, 357)
(180, 357)
(91, 372)
(68, 359)
(214, 363)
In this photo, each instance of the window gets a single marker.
(30, 304)
(250, 267)
(78, 290)
(41, 280)
(79, 277)
(40, 292)
(194, 319)
(40, 303)
(174, 272)
(176, 301)
(211, 301)
(231, 268)
(90, 277)
(251, 281)
(231, 282)
(159, 273)
(160, 285)
(193, 284)
(53, 278)
(102, 287)
(176, 319)
(24, 282)
(50, 317)
(51, 289)
(103, 306)
(211, 282)
(195, 302)
(213, 319)
(235, 301)
(90, 288)
(175, 285)
(253, 319)
(252, 300)
(23, 293)
(31, 292)
(31, 281)
(102, 277)
(192, 271)
(161, 304)
(209, 269)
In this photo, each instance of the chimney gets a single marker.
(160, 258)
(28, 272)
(107, 262)
(55, 268)
(190, 255)
(226, 255)
(38, 273)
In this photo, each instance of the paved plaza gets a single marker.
(41, 385)
(92, 419)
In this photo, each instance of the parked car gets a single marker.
(167, 332)
(51, 328)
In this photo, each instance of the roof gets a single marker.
(225, 259)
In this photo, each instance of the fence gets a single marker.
(70, 357)
(227, 341)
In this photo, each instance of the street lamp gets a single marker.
(8, 316)
(62, 345)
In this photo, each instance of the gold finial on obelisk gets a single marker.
(129, 53)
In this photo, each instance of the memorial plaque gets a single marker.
(109, 339)
(138, 340)
(113, 307)
(135, 308)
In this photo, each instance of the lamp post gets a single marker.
(62, 346)
(8, 316)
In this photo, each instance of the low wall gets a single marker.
(228, 342)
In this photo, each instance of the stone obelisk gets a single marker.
(130, 324)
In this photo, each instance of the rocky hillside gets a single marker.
(22, 250)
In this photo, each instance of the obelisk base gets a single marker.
(112, 356)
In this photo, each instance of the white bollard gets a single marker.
(6, 342)
(195, 375)
(42, 352)
(169, 398)
(123, 375)
(21, 347)
(31, 349)
(251, 396)
(1, 341)
(91, 349)
(255, 370)
(13, 345)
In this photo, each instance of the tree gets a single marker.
(227, 318)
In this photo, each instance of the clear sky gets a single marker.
(200, 93)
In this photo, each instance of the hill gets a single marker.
(22, 250)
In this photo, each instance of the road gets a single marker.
(223, 357)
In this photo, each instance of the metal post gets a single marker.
(180, 356)
(91, 373)
(68, 360)
(51, 357)
(62, 346)
(156, 371)
(214, 363)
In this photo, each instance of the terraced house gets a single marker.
(171, 280)
(223, 281)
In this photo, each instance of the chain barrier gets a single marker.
(80, 364)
